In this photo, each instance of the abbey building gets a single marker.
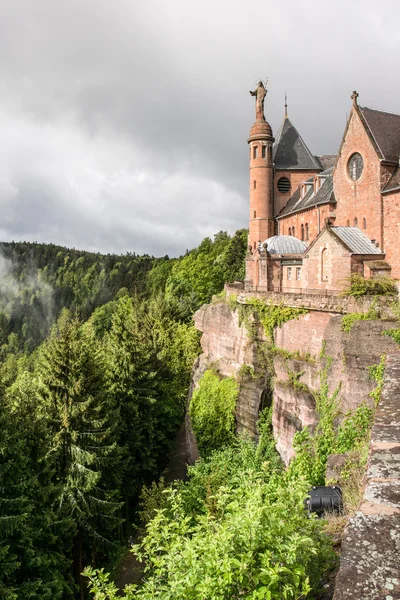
(316, 220)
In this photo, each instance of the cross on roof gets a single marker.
(354, 97)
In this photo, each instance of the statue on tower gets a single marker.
(260, 92)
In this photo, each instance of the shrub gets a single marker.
(212, 411)
(379, 286)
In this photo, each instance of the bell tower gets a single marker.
(261, 222)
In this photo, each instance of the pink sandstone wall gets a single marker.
(359, 199)
(227, 345)
(391, 205)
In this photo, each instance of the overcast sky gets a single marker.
(124, 123)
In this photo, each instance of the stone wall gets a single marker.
(370, 557)
(324, 302)
(227, 345)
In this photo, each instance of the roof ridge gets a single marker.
(386, 112)
(370, 130)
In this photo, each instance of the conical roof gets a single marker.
(290, 150)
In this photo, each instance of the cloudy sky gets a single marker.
(123, 123)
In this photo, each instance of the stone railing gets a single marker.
(369, 561)
(325, 302)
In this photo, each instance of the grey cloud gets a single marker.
(94, 95)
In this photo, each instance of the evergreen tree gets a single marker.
(82, 416)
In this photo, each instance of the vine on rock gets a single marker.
(212, 411)
(268, 315)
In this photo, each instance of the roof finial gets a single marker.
(285, 105)
(354, 97)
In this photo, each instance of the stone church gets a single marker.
(316, 220)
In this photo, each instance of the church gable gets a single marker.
(357, 179)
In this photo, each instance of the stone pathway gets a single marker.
(370, 558)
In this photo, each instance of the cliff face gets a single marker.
(289, 373)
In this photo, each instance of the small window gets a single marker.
(255, 151)
(255, 245)
(365, 223)
(355, 222)
(254, 214)
(290, 231)
(293, 233)
(302, 232)
(298, 273)
(254, 184)
(348, 223)
(283, 185)
(289, 273)
(263, 151)
(306, 231)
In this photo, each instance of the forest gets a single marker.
(96, 353)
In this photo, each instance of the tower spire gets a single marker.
(285, 105)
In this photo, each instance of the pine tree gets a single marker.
(81, 420)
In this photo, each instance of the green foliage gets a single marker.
(202, 272)
(296, 355)
(268, 315)
(212, 411)
(354, 430)
(352, 435)
(88, 417)
(152, 498)
(246, 373)
(237, 529)
(377, 373)
(394, 334)
(379, 286)
(349, 319)
(294, 381)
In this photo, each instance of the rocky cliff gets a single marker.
(287, 371)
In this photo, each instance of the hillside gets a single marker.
(96, 353)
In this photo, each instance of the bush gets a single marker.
(212, 411)
(380, 286)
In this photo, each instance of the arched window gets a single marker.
(293, 233)
(355, 222)
(255, 214)
(254, 184)
(365, 223)
(324, 265)
(290, 231)
(302, 232)
(306, 231)
(348, 222)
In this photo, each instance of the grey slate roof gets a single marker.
(355, 240)
(290, 151)
(393, 183)
(324, 195)
(384, 128)
(285, 244)
(326, 160)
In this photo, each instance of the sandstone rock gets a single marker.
(334, 467)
